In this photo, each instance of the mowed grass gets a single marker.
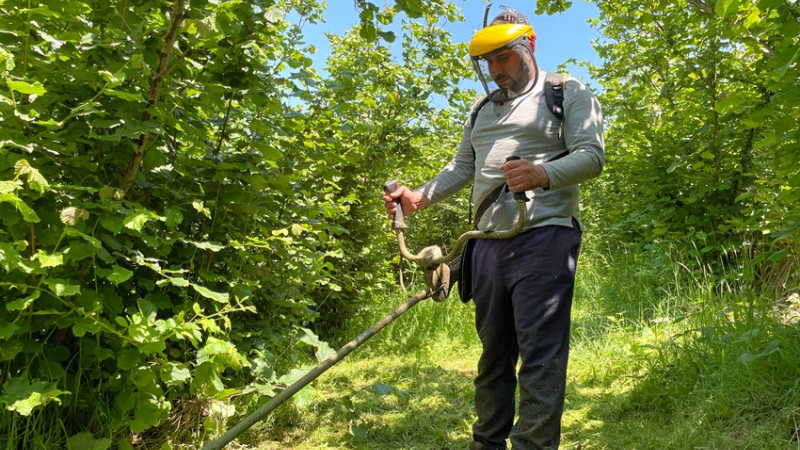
(429, 406)
(660, 359)
(410, 387)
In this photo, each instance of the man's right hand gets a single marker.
(411, 201)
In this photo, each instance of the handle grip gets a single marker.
(518, 195)
(397, 220)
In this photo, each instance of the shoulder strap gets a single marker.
(475, 108)
(554, 86)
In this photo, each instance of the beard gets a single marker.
(521, 80)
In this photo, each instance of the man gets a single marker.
(522, 287)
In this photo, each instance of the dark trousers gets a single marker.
(523, 295)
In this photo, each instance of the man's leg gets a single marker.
(543, 278)
(496, 382)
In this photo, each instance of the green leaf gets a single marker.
(777, 256)
(368, 32)
(131, 97)
(48, 259)
(113, 79)
(176, 375)
(304, 398)
(359, 431)
(785, 60)
(26, 88)
(748, 358)
(274, 14)
(128, 359)
(726, 8)
(86, 441)
(62, 288)
(28, 214)
(734, 102)
(221, 297)
(412, 8)
(23, 397)
(200, 207)
(9, 186)
(83, 326)
(23, 303)
(50, 124)
(119, 274)
(387, 36)
(7, 329)
(77, 251)
(94, 242)
(9, 257)
(179, 281)
(34, 178)
(212, 246)
(323, 349)
(107, 192)
(148, 310)
(221, 353)
(137, 220)
(112, 222)
(174, 217)
(149, 414)
(384, 389)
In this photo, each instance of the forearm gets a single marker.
(574, 168)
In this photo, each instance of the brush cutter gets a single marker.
(437, 286)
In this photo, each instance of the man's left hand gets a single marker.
(522, 175)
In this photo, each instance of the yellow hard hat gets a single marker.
(497, 37)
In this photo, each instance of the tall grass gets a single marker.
(426, 328)
(670, 353)
(31, 432)
(667, 353)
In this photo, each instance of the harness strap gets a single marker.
(487, 202)
(554, 86)
(555, 83)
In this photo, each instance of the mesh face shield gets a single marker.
(522, 49)
(494, 39)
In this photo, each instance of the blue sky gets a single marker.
(559, 37)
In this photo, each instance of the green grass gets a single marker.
(663, 356)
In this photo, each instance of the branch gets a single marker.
(224, 131)
(152, 99)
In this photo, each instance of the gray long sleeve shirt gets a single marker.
(525, 127)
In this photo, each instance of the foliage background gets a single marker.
(189, 208)
(186, 203)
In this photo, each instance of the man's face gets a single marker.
(508, 70)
